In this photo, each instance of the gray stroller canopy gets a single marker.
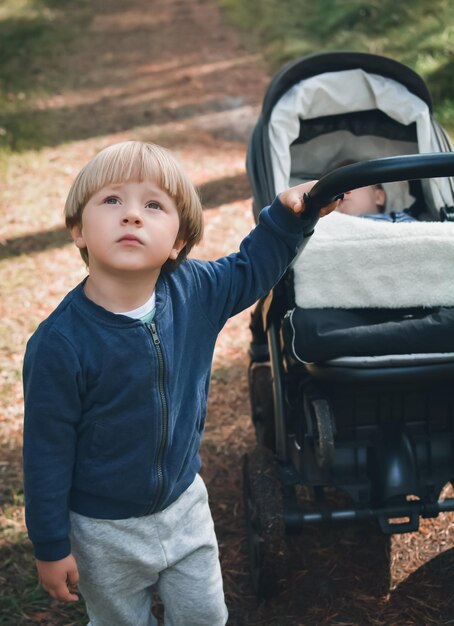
(402, 124)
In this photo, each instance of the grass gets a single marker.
(418, 33)
(35, 35)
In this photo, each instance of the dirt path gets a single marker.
(174, 72)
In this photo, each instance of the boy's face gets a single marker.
(364, 200)
(129, 227)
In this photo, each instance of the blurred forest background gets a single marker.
(419, 33)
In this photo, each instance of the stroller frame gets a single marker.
(392, 458)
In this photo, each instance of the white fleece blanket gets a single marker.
(352, 262)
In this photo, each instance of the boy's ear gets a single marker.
(177, 248)
(76, 234)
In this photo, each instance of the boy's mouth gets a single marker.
(131, 238)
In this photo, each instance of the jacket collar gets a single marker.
(92, 309)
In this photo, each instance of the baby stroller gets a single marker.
(351, 381)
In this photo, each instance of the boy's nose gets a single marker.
(132, 216)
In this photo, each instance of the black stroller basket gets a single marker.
(379, 431)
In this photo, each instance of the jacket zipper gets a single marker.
(165, 419)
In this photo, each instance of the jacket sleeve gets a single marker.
(231, 284)
(51, 378)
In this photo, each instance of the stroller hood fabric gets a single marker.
(337, 93)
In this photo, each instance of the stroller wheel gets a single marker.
(261, 395)
(265, 522)
(324, 429)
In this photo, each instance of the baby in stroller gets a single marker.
(369, 202)
(352, 354)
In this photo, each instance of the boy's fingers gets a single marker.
(63, 594)
(298, 205)
(59, 578)
(73, 576)
(329, 208)
(73, 579)
(293, 201)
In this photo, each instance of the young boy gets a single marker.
(116, 382)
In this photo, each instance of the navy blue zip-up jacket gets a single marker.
(114, 408)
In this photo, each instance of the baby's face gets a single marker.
(364, 200)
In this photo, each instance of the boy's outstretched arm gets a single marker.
(232, 283)
(59, 577)
(293, 199)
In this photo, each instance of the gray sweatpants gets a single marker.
(174, 551)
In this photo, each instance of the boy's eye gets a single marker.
(111, 200)
(153, 205)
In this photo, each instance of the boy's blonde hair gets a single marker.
(135, 161)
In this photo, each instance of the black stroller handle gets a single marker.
(408, 167)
